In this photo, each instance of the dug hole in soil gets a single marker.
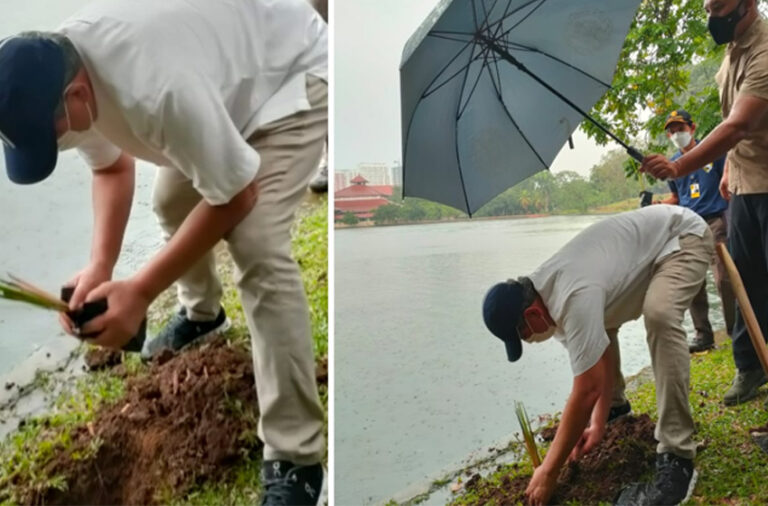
(626, 453)
(187, 421)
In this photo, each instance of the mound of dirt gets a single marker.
(626, 453)
(102, 358)
(186, 422)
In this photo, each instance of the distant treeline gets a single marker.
(544, 193)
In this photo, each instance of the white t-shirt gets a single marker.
(598, 280)
(184, 83)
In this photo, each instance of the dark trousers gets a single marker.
(748, 245)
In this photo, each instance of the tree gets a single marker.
(349, 219)
(389, 213)
(654, 70)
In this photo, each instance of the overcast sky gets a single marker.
(369, 39)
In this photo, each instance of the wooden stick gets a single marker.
(753, 329)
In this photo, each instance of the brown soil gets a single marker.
(626, 453)
(186, 422)
(102, 358)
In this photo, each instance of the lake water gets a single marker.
(420, 383)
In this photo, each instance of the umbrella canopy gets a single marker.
(492, 89)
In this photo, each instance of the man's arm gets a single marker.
(129, 299)
(588, 388)
(747, 114)
(112, 196)
(673, 199)
(199, 232)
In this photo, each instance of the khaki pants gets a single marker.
(268, 279)
(675, 281)
(700, 304)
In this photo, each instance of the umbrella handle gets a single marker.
(634, 153)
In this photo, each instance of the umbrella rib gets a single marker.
(506, 32)
(450, 62)
(496, 60)
(487, 14)
(521, 47)
(449, 79)
(509, 115)
(456, 137)
(462, 108)
(501, 20)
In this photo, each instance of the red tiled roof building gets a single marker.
(360, 199)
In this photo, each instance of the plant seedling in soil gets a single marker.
(530, 442)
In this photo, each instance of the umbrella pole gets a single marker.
(634, 153)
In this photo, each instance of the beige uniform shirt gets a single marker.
(745, 72)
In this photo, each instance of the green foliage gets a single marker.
(310, 248)
(567, 192)
(668, 61)
(412, 210)
(349, 219)
(654, 70)
(387, 214)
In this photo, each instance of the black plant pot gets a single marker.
(91, 310)
(646, 198)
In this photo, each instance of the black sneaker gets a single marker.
(181, 332)
(619, 411)
(286, 484)
(673, 484)
(701, 343)
(319, 183)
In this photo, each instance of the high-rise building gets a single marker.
(376, 173)
(397, 174)
(341, 179)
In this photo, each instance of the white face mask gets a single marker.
(681, 139)
(69, 139)
(542, 336)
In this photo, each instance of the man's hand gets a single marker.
(84, 281)
(541, 486)
(660, 167)
(127, 307)
(724, 191)
(589, 439)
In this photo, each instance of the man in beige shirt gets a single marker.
(743, 136)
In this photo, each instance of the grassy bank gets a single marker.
(74, 430)
(731, 466)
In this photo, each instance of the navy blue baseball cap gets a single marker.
(31, 86)
(502, 312)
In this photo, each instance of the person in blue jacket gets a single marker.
(699, 192)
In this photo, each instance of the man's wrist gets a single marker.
(677, 165)
(103, 265)
(142, 284)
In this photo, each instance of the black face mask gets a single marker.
(723, 28)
